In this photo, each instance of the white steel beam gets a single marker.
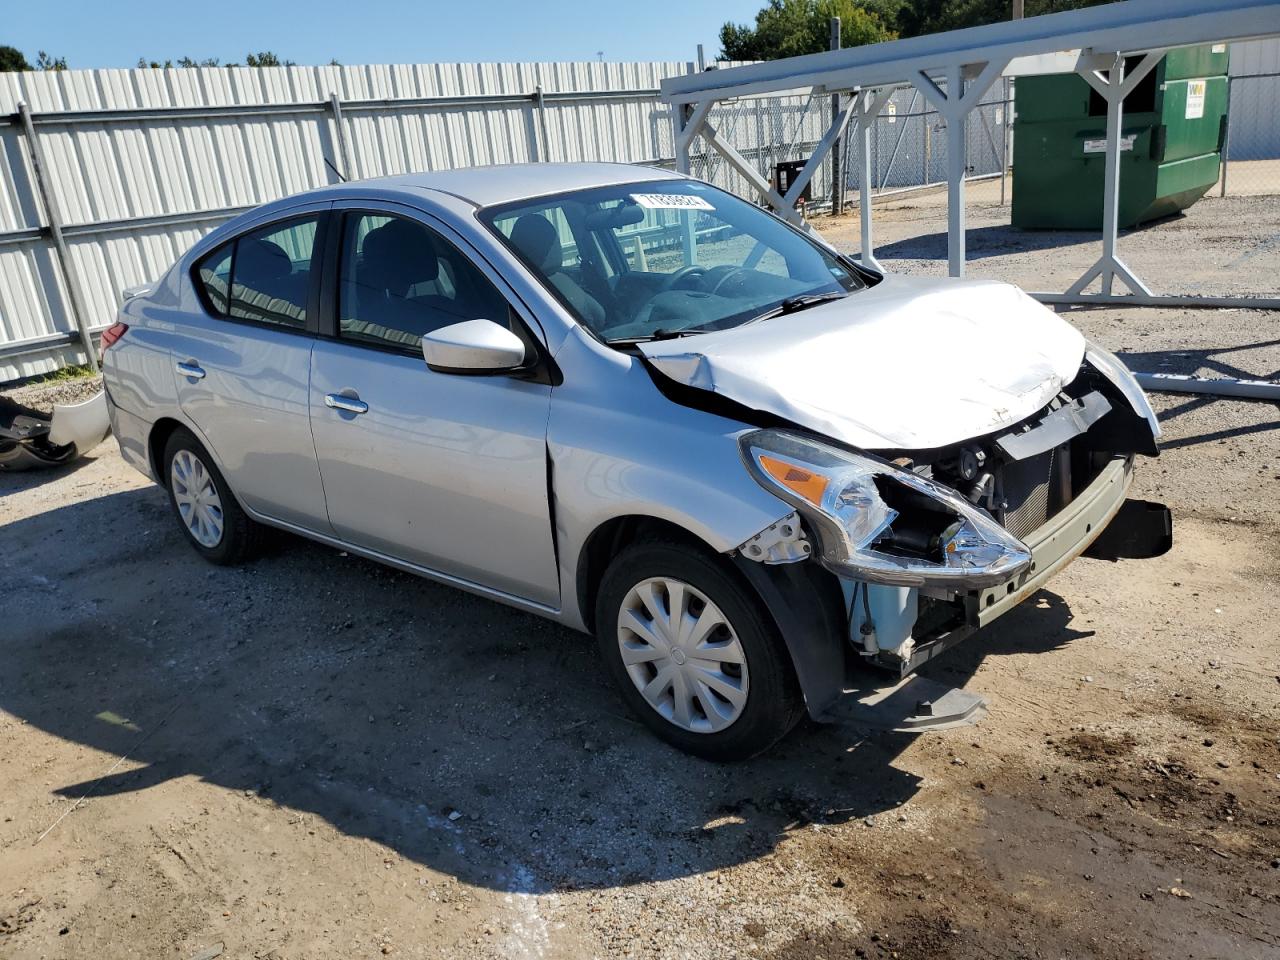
(1135, 26)
(954, 105)
(748, 171)
(869, 104)
(1113, 88)
(820, 151)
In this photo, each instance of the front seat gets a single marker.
(539, 243)
(394, 259)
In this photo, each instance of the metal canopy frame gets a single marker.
(953, 71)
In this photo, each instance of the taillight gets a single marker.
(111, 335)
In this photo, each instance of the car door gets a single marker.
(445, 471)
(243, 364)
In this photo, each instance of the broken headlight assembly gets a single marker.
(878, 523)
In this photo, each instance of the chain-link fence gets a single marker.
(1251, 149)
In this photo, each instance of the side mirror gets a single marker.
(473, 346)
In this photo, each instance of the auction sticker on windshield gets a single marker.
(671, 201)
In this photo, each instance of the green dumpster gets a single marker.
(1172, 130)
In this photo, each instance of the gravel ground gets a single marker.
(42, 395)
(314, 756)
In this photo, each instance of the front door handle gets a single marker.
(340, 401)
(190, 368)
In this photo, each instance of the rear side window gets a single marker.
(264, 276)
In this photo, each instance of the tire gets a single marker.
(215, 508)
(741, 710)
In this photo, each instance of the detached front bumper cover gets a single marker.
(881, 524)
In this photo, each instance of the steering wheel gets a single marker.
(726, 274)
(674, 280)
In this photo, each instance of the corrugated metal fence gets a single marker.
(135, 165)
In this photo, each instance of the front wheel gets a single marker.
(694, 652)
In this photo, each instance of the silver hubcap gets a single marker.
(683, 655)
(197, 498)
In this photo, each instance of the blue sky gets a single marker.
(116, 34)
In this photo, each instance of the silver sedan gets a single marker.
(644, 408)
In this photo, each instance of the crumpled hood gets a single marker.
(908, 364)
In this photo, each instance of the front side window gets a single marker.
(668, 257)
(400, 279)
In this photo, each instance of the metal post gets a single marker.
(702, 60)
(1004, 136)
(955, 172)
(69, 277)
(927, 124)
(683, 136)
(340, 134)
(864, 181)
(1114, 88)
(540, 104)
(1226, 140)
(837, 194)
(1111, 174)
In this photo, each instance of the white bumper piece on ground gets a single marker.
(28, 439)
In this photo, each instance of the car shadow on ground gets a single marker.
(474, 739)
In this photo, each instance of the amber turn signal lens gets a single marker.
(807, 484)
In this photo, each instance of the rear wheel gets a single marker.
(206, 509)
(694, 652)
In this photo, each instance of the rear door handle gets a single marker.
(340, 401)
(191, 369)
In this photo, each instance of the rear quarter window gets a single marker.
(214, 273)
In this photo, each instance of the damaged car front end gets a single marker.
(928, 546)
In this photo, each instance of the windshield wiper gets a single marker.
(802, 302)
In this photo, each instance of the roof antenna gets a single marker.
(329, 163)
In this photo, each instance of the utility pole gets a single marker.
(1018, 11)
(837, 168)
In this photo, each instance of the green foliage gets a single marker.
(46, 62)
(791, 28)
(266, 59)
(12, 60)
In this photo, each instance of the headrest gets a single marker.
(260, 261)
(397, 255)
(539, 241)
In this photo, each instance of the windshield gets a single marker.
(666, 258)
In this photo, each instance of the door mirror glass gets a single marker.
(473, 346)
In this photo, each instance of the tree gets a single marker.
(791, 28)
(934, 16)
(12, 60)
(266, 59)
(46, 62)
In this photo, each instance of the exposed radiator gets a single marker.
(1029, 491)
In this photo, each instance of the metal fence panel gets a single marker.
(140, 163)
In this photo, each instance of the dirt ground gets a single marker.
(313, 756)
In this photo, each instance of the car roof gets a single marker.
(486, 186)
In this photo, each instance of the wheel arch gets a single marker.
(804, 604)
(159, 436)
(608, 539)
